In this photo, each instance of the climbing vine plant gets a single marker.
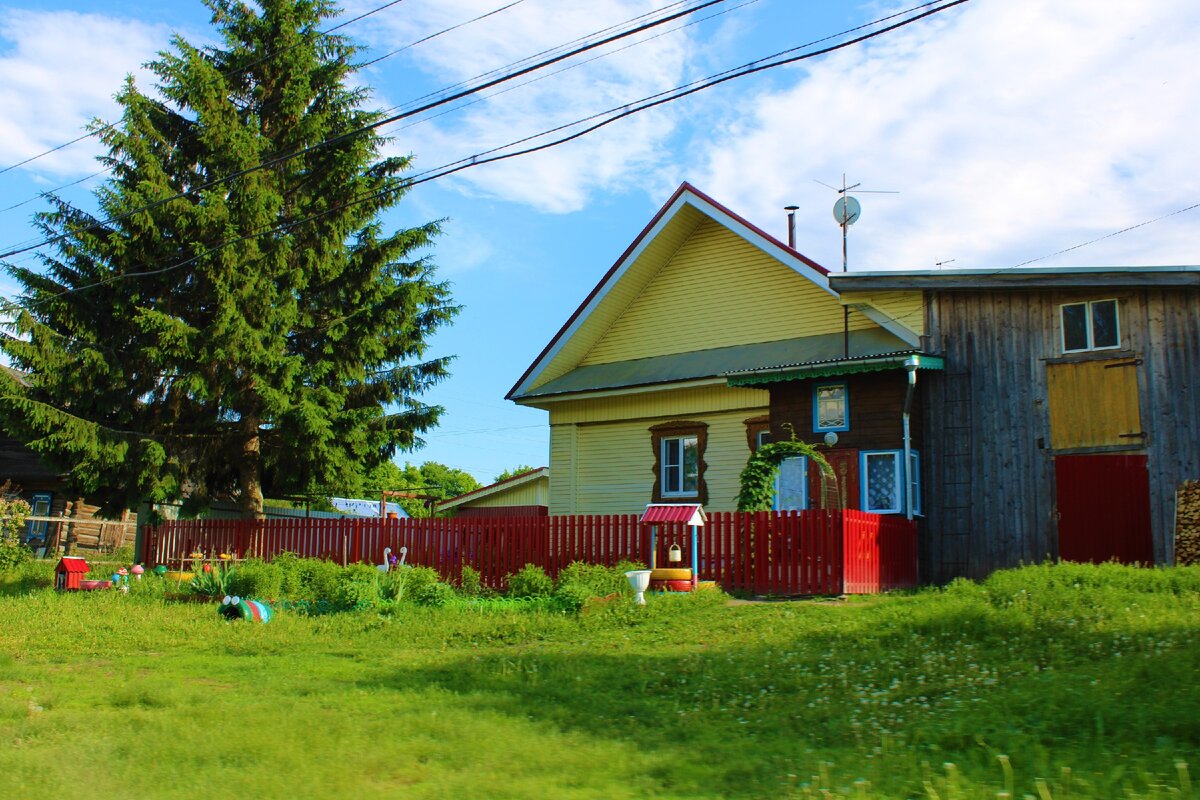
(758, 477)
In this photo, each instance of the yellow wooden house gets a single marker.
(523, 495)
(636, 382)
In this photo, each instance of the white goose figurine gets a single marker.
(385, 566)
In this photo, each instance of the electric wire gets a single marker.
(375, 125)
(479, 159)
(230, 74)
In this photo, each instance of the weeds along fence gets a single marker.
(784, 552)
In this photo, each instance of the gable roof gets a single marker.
(677, 217)
(494, 488)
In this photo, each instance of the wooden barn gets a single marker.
(1065, 417)
(524, 495)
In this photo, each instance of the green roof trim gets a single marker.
(722, 361)
(833, 369)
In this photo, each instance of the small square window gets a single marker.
(831, 407)
(1094, 325)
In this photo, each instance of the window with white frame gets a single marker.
(882, 478)
(680, 464)
(791, 485)
(831, 407)
(1093, 325)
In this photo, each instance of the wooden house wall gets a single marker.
(990, 472)
(876, 411)
(719, 290)
(529, 493)
(602, 455)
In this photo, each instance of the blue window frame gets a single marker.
(881, 479)
(831, 407)
(39, 506)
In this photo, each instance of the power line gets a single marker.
(229, 74)
(479, 159)
(1107, 236)
(376, 124)
(435, 35)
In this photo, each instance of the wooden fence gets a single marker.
(784, 553)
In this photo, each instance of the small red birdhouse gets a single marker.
(69, 573)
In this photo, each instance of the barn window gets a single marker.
(1094, 325)
(831, 407)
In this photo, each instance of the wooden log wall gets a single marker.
(991, 497)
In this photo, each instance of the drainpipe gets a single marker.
(910, 364)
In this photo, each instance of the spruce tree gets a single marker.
(265, 332)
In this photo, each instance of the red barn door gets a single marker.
(1103, 508)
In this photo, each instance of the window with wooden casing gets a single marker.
(1094, 404)
(1091, 325)
(679, 461)
(831, 407)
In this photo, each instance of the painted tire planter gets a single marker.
(671, 586)
(242, 608)
(671, 574)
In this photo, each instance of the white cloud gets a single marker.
(563, 178)
(1012, 129)
(57, 72)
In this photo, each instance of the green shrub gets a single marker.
(13, 511)
(358, 587)
(530, 581)
(312, 579)
(471, 583)
(433, 594)
(572, 597)
(256, 578)
(600, 580)
(28, 577)
(417, 581)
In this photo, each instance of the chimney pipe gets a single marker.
(791, 225)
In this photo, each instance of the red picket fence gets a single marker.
(880, 552)
(785, 553)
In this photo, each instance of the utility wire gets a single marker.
(229, 74)
(374, 125)
(639, 42)
(479, 159)
(435, 35)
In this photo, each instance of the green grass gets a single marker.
(1052, 682)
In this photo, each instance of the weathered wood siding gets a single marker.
(988, 456)
(755, 298)
(602, 457)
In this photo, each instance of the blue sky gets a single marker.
(1012, 129)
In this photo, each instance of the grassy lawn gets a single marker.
(1051, 682)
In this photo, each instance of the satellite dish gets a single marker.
(846, 210)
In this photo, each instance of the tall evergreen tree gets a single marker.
(265, 332)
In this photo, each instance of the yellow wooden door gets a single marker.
(1094, 403)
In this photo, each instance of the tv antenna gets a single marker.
(846, 212)
(847, 209)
